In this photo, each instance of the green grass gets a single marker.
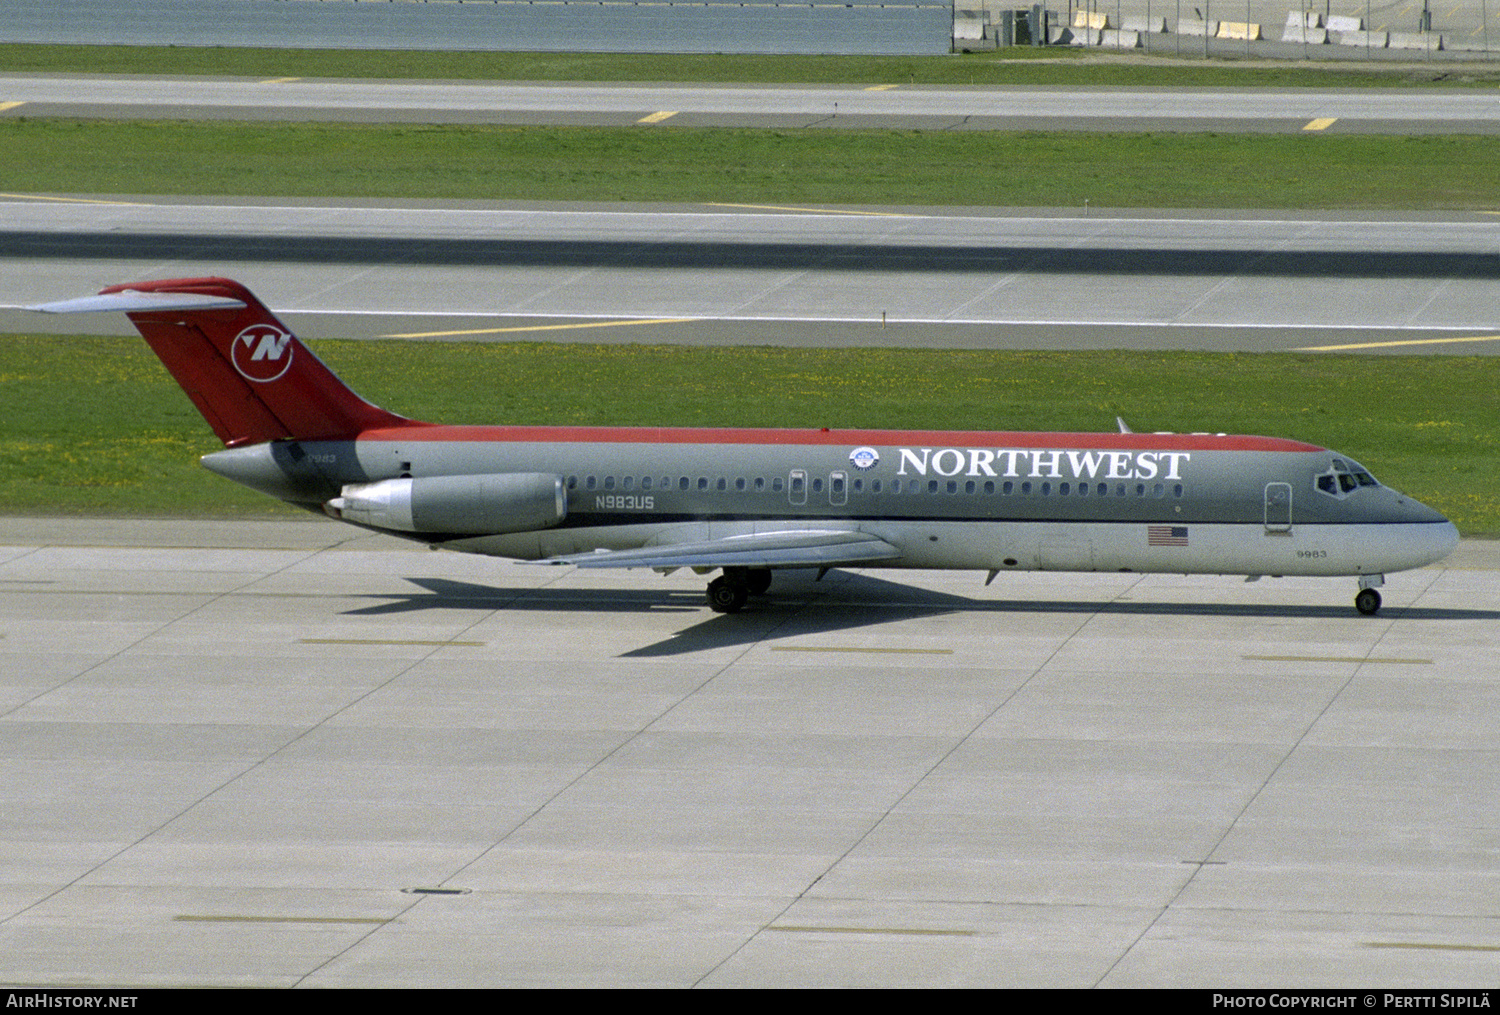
(95, 425)
(1195, 170)
(1016, 66)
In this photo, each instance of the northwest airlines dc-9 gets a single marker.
(747, 502)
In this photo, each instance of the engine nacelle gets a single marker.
(481, 505)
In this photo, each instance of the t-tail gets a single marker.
(249, 376)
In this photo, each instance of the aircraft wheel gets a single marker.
(726, 596)
(1367, 602)
(758, 580)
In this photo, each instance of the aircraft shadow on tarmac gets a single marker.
(804, 607)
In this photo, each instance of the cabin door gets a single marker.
(1278, 507)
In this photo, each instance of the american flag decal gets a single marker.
(1166, 535)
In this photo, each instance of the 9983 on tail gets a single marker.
(749, 502)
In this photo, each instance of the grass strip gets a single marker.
(96, 426)
(1060, 169)
(1022, 65)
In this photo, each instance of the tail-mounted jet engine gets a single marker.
(456, 505)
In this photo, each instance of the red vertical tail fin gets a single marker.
(249, 376)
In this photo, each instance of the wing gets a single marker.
(791, 548)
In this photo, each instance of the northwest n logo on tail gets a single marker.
(261, 352)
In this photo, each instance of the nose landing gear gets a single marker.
(1367, 601)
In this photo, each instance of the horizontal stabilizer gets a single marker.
(131, 301)
(801, 548)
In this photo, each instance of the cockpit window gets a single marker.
(1343, 478)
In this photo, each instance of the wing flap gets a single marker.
(814, 548)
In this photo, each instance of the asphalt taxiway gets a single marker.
(293, 754)
(882, 106)
(722, 274)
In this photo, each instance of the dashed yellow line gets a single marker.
(1341, 659)
(1390, 345)
(881, 88)
(279, 81)
(540, 327)
(387, 641)
(10, 105)
(665, 114)
(913, 931)
(819, 211)
(882, 651)
(73, 200)
(1321, 123)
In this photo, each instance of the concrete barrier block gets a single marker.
(1304, 35)
(1429, 42)
(1304, 19)
(1084, 19)
(1369, 40)
(1114, 38)
(1339, 23)
(1193, 26)
(1247, 30)
(1059, 35)
(1087, 36)
(967, 29)
(1146, 26)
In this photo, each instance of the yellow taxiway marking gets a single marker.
(794, 929)
(1388, 345)
(881, 88)
(194, 918)
(820, 211)
(383, 641)
(73, 200)
(540, 327)
(838, 648)
(10, 105)
(1321, 123)
(665, 114)
(1340, 659)
(1435, 946)
(279, 81)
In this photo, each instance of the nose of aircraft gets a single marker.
(1444, 538)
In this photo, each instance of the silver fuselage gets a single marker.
(1207, 503)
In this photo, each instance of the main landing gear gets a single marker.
(729, 592)
(1367, 601)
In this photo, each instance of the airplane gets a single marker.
(749, 502)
